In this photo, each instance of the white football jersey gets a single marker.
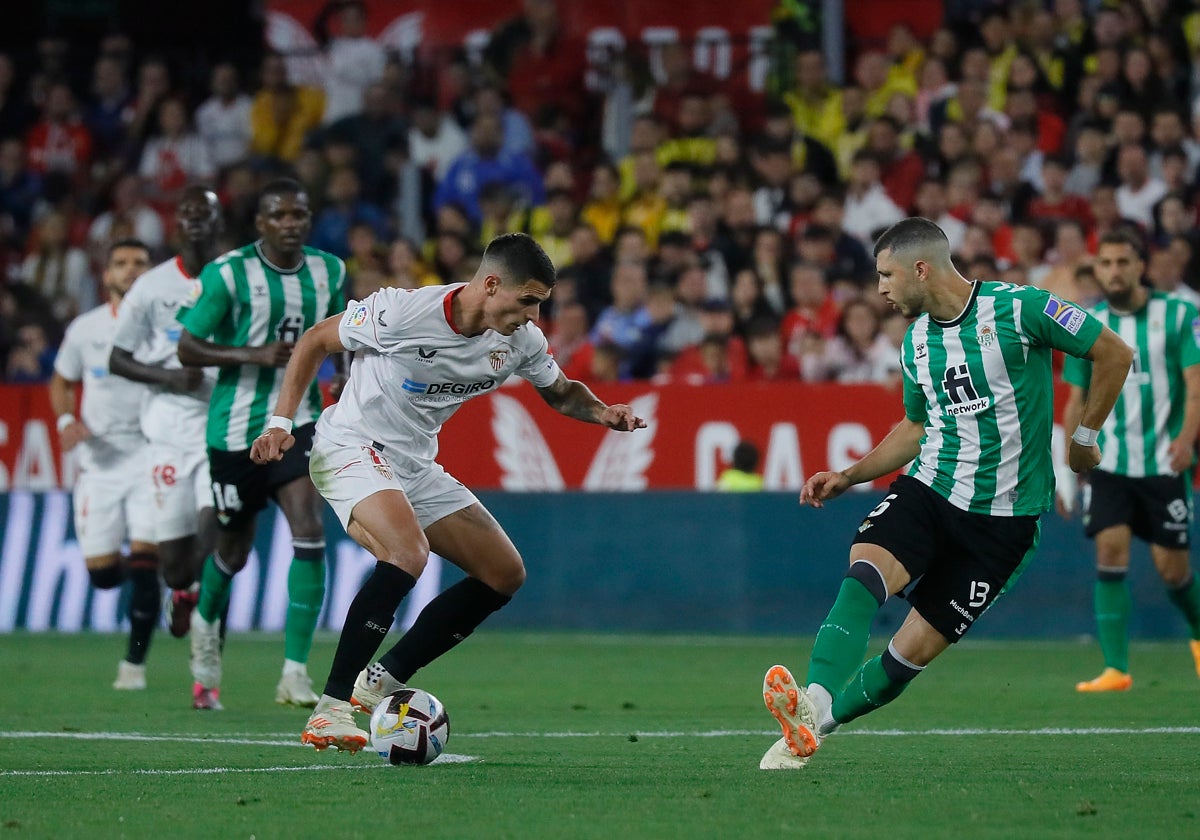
(412, 370)
(111, 405)
(147, 327)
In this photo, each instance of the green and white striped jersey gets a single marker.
(1164, 335)
(242, 300)
(983, 387)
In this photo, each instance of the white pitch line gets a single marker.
(444, 758)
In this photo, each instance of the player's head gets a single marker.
(127, 259)
(198, 215)
(905, 256)
(284, 217)
(1119, 267)
(517, 277)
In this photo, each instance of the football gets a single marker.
(410, 726)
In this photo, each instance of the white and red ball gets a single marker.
(410, 726)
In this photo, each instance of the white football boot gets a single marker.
(795, 711)
(296, 689)
(373, 684)
(130, 677)
(332, 725)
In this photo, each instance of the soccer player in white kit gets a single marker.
(176, 413)
(419, 355)
(112, 498)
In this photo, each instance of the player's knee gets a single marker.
(411, 556)
(508, 578)
(1176, 578)
(107, 577)
(870, 576)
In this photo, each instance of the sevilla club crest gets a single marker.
(496, 358)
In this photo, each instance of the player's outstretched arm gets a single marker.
(574, 399)
(198, 352)
(306, 359)
(185, 379)
(1111, 358)
(901, 445)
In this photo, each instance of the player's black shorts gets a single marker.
(241, 487)
(960, 562)
(1157, 508)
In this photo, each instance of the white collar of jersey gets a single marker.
(262, 256)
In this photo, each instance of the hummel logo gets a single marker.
(379, 318)
(426, 354)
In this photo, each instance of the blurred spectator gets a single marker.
(768, 361)
(175, 157)
(31, 358)
(223, 120)
(375, 133)
(106, 114)
(930, 202)
(484, 163)
(1088, 168)
(344, 209)
(406, 269)
(679, 81)
(816, 103)
(591, 269)
(1027, 249)
(128, 215)
(747, 301)
(568, 337)
(603, 208)
(1069, 254)
(1138, 192)
(814, 311)
(625, 321)
(716, 321)
(58, 271)
(868, 206)
(59, 141)
(900, 169)
(767, 262)
(434, 140)
(20, 190)
(645, 207)
(153, 87)
(239, 199)
(859, 352)
(1106, 215)
(741, 476)
(1167, 132)
(282, 114)
(555, 241)
(773, 164)
(849, 258)
(354, 59)
(518, 133)
(1055, 202)
(542, 66)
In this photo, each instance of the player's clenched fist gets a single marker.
(822, 487)
(270, 446)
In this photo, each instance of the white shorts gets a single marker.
(345, 474)
(182, 488)
(114, 503)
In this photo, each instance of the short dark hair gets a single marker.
(1123, 236)
(522, 258)
(915, 232)
(126, 242)
(745, 456)
(281, 186)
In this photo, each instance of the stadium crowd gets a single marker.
(703, 233)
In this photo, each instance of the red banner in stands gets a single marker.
(512, 440)
(729, 39)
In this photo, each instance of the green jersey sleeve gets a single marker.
(337, 288)
(916, 403)
(208, 305)
(1050, 320)
(1189, 341)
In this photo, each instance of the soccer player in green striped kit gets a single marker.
(963, 521)
(249, 309)
(1143, 484)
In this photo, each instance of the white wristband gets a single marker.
(1085, 436)
(278, 422)
(64, 420)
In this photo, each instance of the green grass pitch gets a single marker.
(583, 736)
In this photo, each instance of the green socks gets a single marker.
(869, 689)
(215, 584)
(842, 640)
(1113, 604)
(1187, 599)
(306, 593)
